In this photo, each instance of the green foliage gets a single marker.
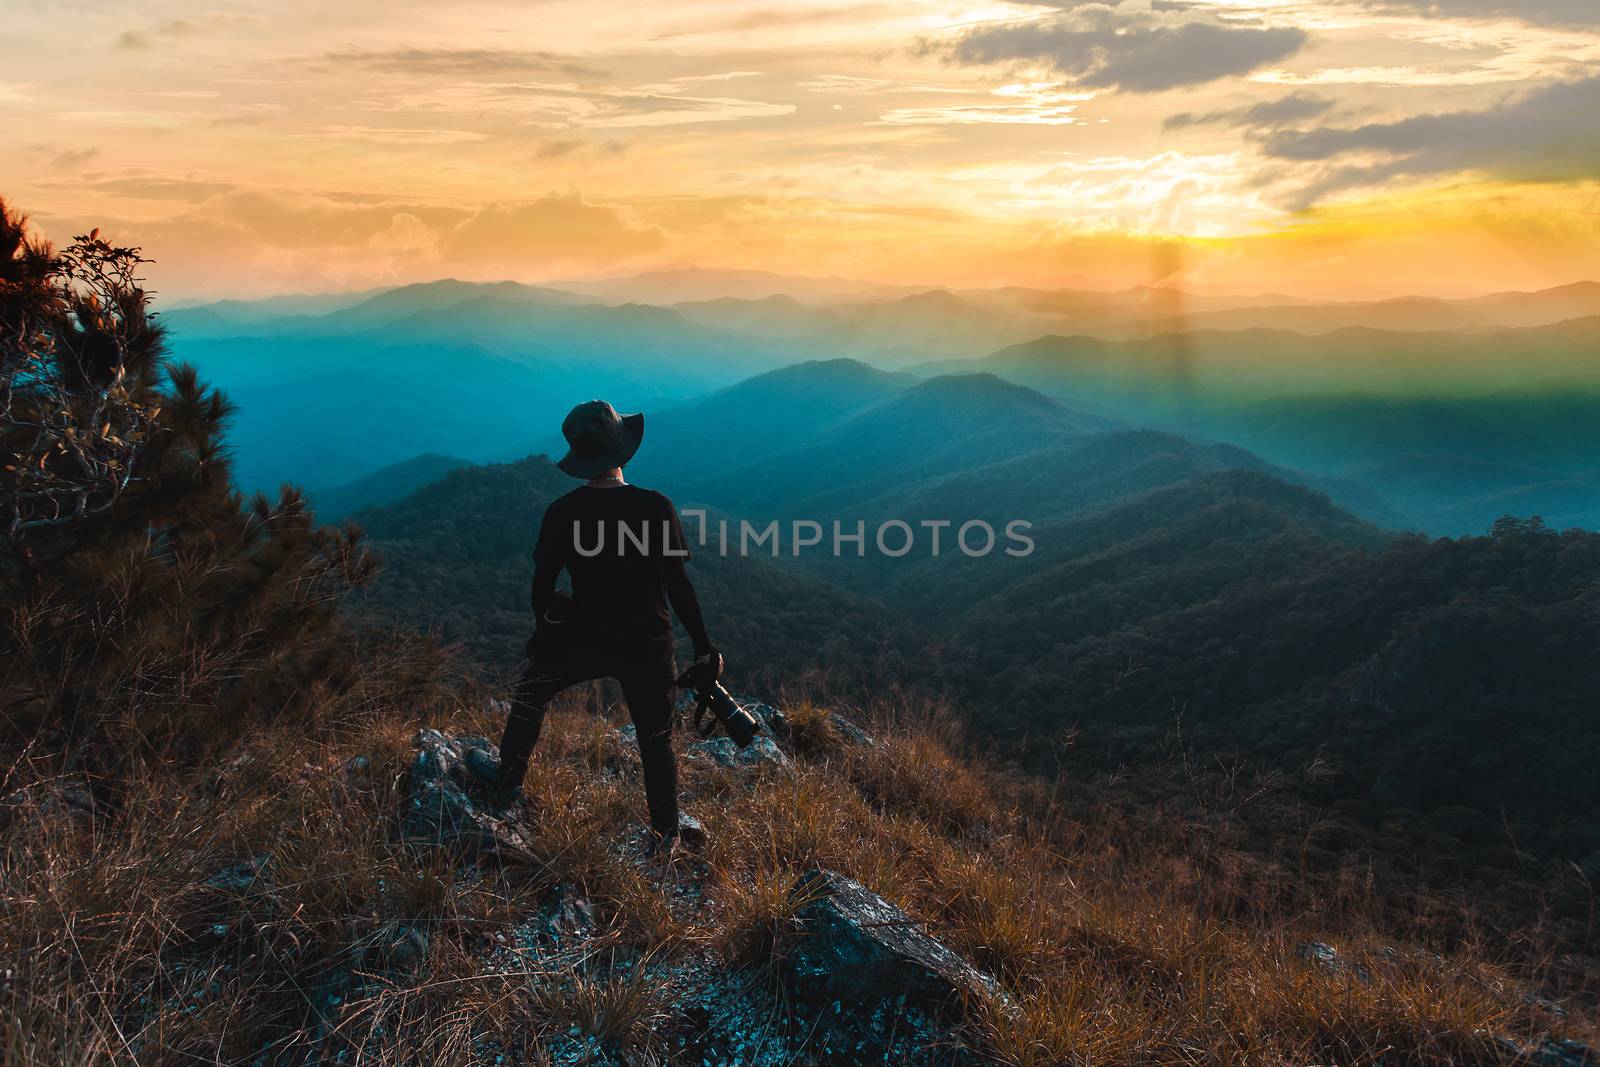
(1450, 674)
(458, 559)
(144, 606)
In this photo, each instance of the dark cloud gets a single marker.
(1273, 114)
(1542, 12)
(187, 190)
(73, 158)
(557, 148)
(1105, 50)
(489, 63)
(135, 40)
(1546, 135)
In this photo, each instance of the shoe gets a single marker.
(690, 834)
(500, 789)
(663, 847)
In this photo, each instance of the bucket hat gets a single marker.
(598, 439)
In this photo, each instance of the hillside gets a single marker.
(937, 427)
(337, 502)
(458, 559)
(323, 907)
(1169, 582)
(1442, 677)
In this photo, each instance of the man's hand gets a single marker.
(709, 665)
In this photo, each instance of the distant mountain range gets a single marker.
(1173, 585)
(1442, 430)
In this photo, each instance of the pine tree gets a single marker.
(145, 607)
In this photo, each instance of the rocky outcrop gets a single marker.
(445, 803)
(776, 722)
(762, 752)
(854, 945)
(1548, 1053)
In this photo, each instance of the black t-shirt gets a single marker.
(624, 548)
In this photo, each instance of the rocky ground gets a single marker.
(860, 981)
(849, 896)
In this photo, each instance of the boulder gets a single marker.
(772, 719)
(445, 804)
(395, 948)
(775, 722)
(721, 750)
(244, 877)
(1552, 1053)
(854, 947)
(849, 732)
(1329, 959)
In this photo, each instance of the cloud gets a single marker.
(73, 158)
(678, 85)
(1272, 114)
(296, 239)
(140, 39)
(479, 64)
(787, 17)
(1035, 104)
(1106, 50)
(560, 229)
(557, 148)
(1399, 76)
(678, 111)
(987, 114)
(397, 135)
(1546, 135)
(1546, 12)
(157, 187)
(554, 105)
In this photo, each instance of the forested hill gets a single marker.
(458, 558)
(1428, 675)
(1434, 674)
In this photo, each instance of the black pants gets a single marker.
(647, 688)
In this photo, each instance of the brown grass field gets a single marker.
(1128, 933)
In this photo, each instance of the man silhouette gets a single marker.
(624, 549)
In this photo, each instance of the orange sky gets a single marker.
(1322, 147)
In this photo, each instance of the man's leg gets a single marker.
(539, 684)
(649, 695)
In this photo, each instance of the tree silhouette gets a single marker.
(144, 601)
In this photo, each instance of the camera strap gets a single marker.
(704, 724)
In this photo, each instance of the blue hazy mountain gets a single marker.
(337, 502)
(1452, 429)
(936, 427)
(448, 367)
(1437, 430)
(1411, 313)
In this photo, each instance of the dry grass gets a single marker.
(117, 944)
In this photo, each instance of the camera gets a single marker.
(713, 703)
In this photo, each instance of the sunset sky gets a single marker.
(1344, 148)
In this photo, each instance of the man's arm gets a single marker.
(547, 564)
(544, 587)
(680, 591)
